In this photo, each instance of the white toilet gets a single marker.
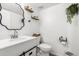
(45, 48)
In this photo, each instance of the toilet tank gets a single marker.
(44, 39)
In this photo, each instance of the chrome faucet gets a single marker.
(15, 35)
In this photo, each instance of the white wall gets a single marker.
(74, 35)
(28, 29)
(53, 24)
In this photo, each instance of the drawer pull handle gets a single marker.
(30, 53)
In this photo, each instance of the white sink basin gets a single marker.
(9, 42)
(4, 41)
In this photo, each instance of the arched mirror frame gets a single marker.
(22, 20)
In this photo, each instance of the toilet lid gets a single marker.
(44, 45)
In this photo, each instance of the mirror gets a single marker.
(12, 16)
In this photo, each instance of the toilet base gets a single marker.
(41, 53)
(52, 54)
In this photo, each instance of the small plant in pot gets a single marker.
(71, 11)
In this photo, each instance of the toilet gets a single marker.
(45, 48)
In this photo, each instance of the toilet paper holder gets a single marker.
(63, 40)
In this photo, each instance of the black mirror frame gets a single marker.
(21, 20)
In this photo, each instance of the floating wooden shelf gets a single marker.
(28, 9)
(36, 34)
(35, 17)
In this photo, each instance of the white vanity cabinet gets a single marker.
(31, 52)
(28, 46)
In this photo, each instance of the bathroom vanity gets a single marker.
(22, 46)
(17, 45)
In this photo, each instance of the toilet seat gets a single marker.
(45, 47)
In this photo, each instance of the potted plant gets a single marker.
(71, 11)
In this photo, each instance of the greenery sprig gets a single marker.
(71, 11)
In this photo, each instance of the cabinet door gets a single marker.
(31, 53)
